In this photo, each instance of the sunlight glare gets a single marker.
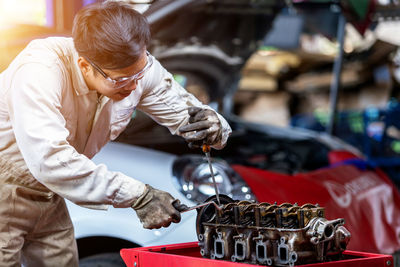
(22, 12)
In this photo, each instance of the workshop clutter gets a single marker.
(376, 132)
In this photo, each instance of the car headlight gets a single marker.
(192, 177)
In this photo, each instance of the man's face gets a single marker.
(115, 84)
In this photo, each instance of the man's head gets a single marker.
(111, 39)
(111, 34)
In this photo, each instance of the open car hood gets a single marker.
(232, 27)
(212, 39)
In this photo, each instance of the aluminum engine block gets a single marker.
(269, 234)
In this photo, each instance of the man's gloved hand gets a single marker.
(154, 209)
(204, 127)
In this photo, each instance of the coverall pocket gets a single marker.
(6, 210)
(120, 121)
(122, 114)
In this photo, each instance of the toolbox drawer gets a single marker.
(188, 254)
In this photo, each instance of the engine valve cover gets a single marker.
(269, 234)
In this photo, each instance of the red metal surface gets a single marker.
(338, 156)
(366, 199)
(188, 255)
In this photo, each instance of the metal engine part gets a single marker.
(269, 234)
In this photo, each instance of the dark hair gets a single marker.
(111, 34)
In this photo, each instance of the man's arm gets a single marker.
(168, 103)
(34, 104)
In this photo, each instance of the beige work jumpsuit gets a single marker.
(51, 125)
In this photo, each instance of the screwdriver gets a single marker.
(206, 149)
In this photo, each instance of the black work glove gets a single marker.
(154, 209)
(204, 127)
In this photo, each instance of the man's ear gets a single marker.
(84, 65)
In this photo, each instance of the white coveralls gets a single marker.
(51, 125)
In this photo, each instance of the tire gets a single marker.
(204, 73)
(102, 260)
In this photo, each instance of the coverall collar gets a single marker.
(78, 81)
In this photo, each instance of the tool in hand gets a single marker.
(206, 149)
(183, 208)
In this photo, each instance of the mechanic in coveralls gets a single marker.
(61, 101)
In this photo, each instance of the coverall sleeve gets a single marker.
(34, 103)
(167, 102)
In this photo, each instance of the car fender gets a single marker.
(124, 224)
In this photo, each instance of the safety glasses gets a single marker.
(123, 81)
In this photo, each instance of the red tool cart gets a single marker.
(188, 255)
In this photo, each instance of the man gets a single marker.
(61, 101)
